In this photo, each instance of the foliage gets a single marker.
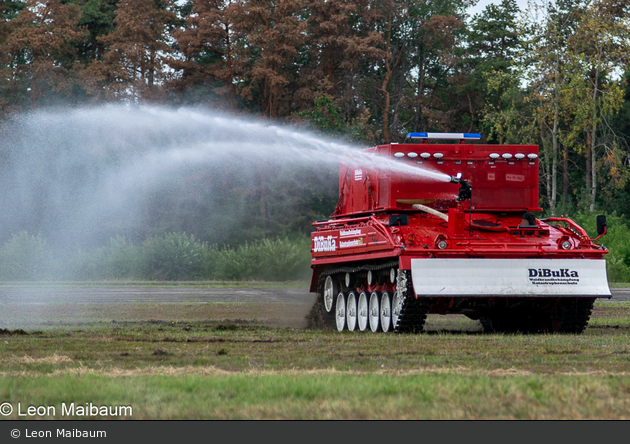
(365, 71)
(117, 260)
(564, 91)
(135, 55)
(325, 115)
(495, 42)
(41, 48)
(275, 260)
(168, 257)
(510, 120)
(174, 256)
(25, 257)
(181, 257)
(617, 240)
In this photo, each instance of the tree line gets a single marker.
(369, 71)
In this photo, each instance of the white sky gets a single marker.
(481, 5)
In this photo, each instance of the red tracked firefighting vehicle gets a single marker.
(466, 241)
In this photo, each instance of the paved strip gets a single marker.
(619, 294)
(25, 295)
(38, 295)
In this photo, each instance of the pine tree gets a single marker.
(42, 46)
(494, 42)
(433, 30)
(133, 66)
(10, 87)
(275, 33)
(209, 40)
(97, 16)
(342, 51)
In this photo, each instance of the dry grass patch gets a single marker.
(54, 359)
(228, 365)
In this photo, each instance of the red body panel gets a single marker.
(500, 184)
(489, 225)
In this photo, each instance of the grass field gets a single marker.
(220, 361)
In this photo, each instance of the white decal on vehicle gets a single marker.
(351, 243)
(547, 276)
(321, 243)
(355, 232)
(509, 277)
(515, 178)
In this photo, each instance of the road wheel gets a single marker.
(351, 311)
(340, 311)
(397, 304)
(374, 312)
(362, 311)
(330, 291)
(386, 311)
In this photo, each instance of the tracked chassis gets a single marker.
(400, 246)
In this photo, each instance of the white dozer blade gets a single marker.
(510, 277)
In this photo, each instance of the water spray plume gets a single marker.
(78, 177)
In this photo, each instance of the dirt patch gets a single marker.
(7, 332)
(160, 352)
(312, 319)
(270, 314)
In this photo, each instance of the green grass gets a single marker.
(611, 315)
(331, 395)
(217, 361)
(619, 284)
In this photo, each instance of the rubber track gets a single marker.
(570, 316)
(575, 313)
(360, 268)
(412, 316)
(323, 319)
(414, 311)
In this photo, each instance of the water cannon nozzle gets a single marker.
(465, 191)
(457, 178)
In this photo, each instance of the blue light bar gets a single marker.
(458, 136)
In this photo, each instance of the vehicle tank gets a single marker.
(449, 228)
